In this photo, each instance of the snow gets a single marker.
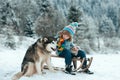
(104, 66)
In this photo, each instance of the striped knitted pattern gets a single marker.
(59, 44)
(71, 28)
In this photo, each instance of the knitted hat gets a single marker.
(71, 28)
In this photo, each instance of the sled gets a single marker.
(74, 60)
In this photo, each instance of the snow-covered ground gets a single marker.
(104, 66)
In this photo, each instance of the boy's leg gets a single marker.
(75, 64)
(68, 58)
(82, 55)
(67, 55)
(74, 61)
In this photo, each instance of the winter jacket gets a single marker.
(64, 44)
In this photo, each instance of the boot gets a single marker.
(83, 66)
(68, 70)
(88, 71)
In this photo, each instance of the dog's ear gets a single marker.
(40, 40)
(45, 39)
(55, 39)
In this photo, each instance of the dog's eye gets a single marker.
(53, 42)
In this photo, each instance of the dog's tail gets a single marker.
(17, 76)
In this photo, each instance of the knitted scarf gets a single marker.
(60, 45)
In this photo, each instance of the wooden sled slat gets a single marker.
(75, 63)
(63, 57)
(55, 68)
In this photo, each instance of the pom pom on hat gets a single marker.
(71, 28)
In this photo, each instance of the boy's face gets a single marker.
(65, 37)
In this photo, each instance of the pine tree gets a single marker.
(8, 17)
(10, 41)
(28, 28)
(106, 27)
(74, 14)
(118, 33)
(49, 22)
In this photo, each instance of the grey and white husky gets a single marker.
(35, 57)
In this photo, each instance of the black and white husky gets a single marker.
(36, 55)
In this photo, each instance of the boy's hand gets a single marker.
(75, 48)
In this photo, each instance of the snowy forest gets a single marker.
(100, 19)
(22, 22)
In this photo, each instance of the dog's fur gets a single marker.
(36, 56)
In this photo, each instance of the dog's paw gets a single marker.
(53, 70)
(43, 72)
(39, 73)
(27, 75)
(14, 78)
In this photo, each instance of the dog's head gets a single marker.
(48, 43)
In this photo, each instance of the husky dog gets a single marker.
(35, 57)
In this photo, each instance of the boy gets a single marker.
(65, 44)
